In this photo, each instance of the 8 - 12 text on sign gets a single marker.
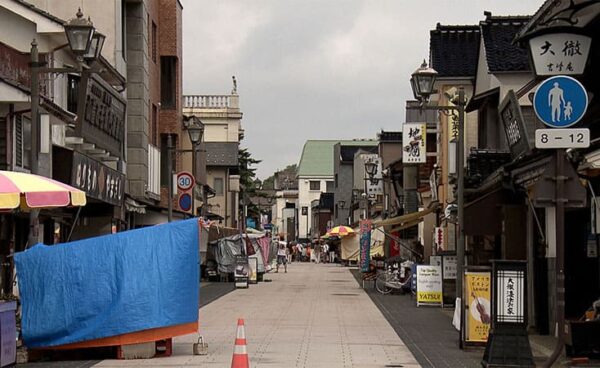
(562, 138)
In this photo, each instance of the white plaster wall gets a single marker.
(106, 16)
(305, 197)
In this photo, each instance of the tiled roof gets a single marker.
(454, 50)
(317, 156)
(501, 53)
(221, 153)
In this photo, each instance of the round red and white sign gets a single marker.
(185, 181)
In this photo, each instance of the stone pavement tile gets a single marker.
(313, 316)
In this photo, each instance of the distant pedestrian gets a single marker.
(282, 258)
(318, 248)
(326, 252)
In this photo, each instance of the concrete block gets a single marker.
(137, 351)
(136, 57)
(137, 140)
(137, 155)
(138, 171)
(137, 107)
(137, 188)
(137, 123)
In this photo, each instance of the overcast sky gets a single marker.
(316, 69)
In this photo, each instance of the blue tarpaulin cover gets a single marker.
(109, 285)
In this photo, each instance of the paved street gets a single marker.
(313, 316)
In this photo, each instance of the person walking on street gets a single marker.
(326, 253)
(318, 247)
(281, 258)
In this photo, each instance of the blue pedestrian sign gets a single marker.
(560, 101)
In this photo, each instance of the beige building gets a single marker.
(223, 132)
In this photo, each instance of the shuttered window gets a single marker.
(22, 141)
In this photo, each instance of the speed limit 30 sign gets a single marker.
(185, 181)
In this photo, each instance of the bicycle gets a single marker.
(392, 279)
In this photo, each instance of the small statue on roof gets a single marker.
(234, 90)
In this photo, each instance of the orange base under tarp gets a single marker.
(138, 337)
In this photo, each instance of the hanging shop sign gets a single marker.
(559, 53)
(365, 244)
(478, 307)
(560, 101)
(429, 285)
(103, 115)
(414, 150)
(512, 120)
(97, 180)
(242, 271)
(438, 238)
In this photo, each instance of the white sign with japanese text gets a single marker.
(510, 295)
(449, 269)
(560, 53)
(414, 150)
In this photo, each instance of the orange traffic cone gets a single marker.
(240, 354)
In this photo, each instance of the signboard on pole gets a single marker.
(560, 101)
(512, 120)
(438, 238)
(560, 53)
(185, 181)
(365, 245)
(429, 285)
(562, 138)
(478, 308)
(414, 136)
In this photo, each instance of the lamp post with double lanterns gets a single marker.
(195, 129)
(86, 44)
(422, 82)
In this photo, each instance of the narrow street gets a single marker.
(313, 316)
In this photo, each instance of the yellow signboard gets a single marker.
(478, 308)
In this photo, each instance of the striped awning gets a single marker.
(33, 191)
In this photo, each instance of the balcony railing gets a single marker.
(209, 102)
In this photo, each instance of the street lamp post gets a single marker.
(422, 82)
(86, 44)
(195, 129)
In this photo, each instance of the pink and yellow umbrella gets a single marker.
(33, 191)
(340, 231)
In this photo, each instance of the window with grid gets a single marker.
(314, 185)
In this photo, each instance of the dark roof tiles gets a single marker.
(222, 153)
(501, 53)
(454, 50)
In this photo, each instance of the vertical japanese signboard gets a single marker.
(560, 53)
(478, 295)
(429, 285)
(365, 245)
(414, 150)
(510, 294)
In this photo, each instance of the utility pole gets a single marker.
(460, 168)
(35, 138)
